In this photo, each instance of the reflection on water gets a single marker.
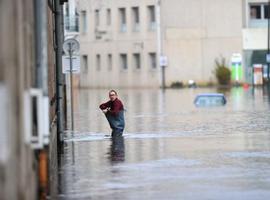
(117, 150)
(170, 148)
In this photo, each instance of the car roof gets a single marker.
(210, 94)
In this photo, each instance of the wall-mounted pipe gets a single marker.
(41, 44)
(59, 37)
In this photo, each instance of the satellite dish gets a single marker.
(71, 45)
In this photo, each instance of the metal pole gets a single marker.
(163, 77)
(268, 41)
(41, 46)
(159, 44)
(71, 87)
(59, 77)
(41, 82)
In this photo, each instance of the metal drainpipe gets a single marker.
(58, 20)
(268, 43)
(41, 44)
(41, 82)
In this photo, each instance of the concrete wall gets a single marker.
(198, 32)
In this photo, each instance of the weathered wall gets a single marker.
(52, 151)
(19, 165)
(19, 170)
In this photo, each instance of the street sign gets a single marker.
(75, 64)
(71, 64)
(71, 46)
(268, 58)
(163, 61)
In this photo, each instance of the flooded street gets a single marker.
(170, 149)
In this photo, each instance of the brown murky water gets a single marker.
(170, 149)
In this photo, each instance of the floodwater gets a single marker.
(170, 148)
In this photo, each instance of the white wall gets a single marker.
(202, 31)
(255, 39)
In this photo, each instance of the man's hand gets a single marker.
(105, 110)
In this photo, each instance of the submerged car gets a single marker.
(210, 99)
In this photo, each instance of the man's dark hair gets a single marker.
(113, 91)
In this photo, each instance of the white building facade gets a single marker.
(255, 36)
(121, 42)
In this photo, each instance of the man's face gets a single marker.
(112, 96)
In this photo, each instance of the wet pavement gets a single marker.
(170, 148)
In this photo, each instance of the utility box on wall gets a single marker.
(36, 118)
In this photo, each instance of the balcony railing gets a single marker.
(258, 23)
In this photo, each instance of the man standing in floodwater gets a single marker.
(114, 112)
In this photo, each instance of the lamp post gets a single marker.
(159, 44)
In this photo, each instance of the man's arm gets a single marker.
(105, 105)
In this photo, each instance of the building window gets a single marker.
(110, 62)
(123, 20)
(108, 16)
(151, 17)
(255, 12)
(85, 63)
(137, 60)
(258, 15)
(135, 19)
(153, 60)
(123, 61)
(71, 19)
(97, 18)
(84, 21)
(266, 11)
(66, 9)
(98, 62)
(259, 11)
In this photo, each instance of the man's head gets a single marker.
(112, 95)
